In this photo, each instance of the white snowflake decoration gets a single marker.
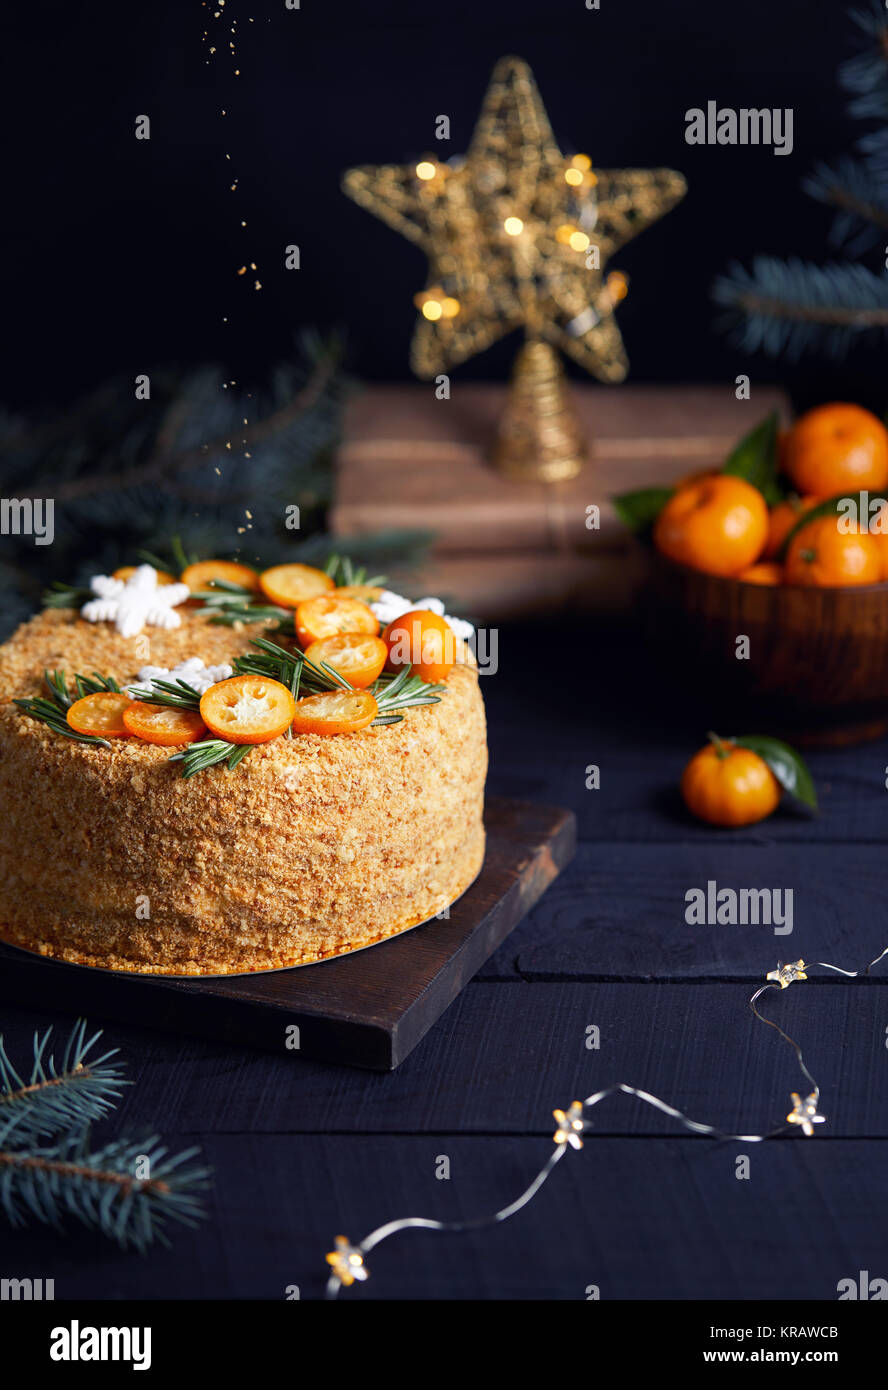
(136, 602)
(192, 672)
(391, 606)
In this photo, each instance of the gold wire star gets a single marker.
(516, 234)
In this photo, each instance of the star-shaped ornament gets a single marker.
(347, 1262)
(131, 604)
(804, 1112)
(784, 975)
(517, 234)
(570, 1125)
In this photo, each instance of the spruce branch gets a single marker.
(128, 1188)
(52, 1098)
(172, 455)
(99, 1187)
(791, 306)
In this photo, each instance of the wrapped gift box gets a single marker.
(501, 548)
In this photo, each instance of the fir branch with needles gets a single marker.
(52, 1097)
(53, 711)
(792, 306)
(71, 1176)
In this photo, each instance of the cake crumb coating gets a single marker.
(312, 847)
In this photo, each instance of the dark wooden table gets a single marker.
(303, 1151)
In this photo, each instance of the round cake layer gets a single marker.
(311, 847)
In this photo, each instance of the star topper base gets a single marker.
(540, 438)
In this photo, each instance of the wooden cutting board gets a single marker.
(369, 1009)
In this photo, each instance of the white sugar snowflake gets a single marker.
(192, 672)
(131, 604)
(390, 606)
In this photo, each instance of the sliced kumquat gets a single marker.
(127, 571)
(424, 640)
(247, 709)
(289, 585)
(328, 615)
(335, 712)
(355, 655)
(100, 714)
(164, 725)
(368, 592)
(205, 573)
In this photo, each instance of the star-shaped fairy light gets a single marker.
(784, 975)
(347, 1262)
(804, 1112)
(131, 604)
(517, 234)
(570, 1125)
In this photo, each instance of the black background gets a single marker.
(122, 254)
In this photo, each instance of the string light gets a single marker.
(513, 226)
(347, 1260)
(425, 170)
(804, 1112)
(785, 974)
(570, 1125)
(434, 304)
(617, 286)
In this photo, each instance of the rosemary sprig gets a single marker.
(53, 711)
(228, 609)
(196, 757)
(60, 595)
(342, 571)
(402, 691)
(175, 694)
(392, 692)
(279, 664)
(181, 558)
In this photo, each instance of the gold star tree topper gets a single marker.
(517, 234)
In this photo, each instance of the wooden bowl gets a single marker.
(817, 668)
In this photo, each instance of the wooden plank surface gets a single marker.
(301, 1152)
(369, 1009)
(671, 1039)
(410, 460)
(640, 1219)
